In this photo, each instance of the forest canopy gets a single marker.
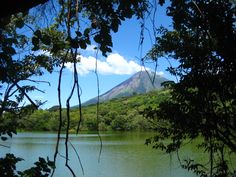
(119, 114)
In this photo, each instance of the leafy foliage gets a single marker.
(8, 167)
(42, 168)
(203, 101)
(29, 48)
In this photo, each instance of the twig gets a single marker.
(60, 111)
(175, 74)
(76, 82)
(69, 5)
(77, 154)
(67, 129)
(4, 146)
(37, 81)
(97, 106)
(27, 96)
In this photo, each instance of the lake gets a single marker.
(123, 155)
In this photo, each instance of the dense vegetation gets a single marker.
(38, 41)
(202, 39)
(118, 114)
(203, 102)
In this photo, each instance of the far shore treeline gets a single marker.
(117, 114)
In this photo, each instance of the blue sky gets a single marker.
(121, 64)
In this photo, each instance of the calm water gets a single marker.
(123, 155)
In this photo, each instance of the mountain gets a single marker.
(141, 82)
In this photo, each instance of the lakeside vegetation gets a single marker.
(117, 114)
(201, 39)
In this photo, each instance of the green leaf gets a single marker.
(97, 38)
(3, 138)
(38, 33)
(74, 43)
(46, 39)
(88, 41)
(115, 25)
(108, 49)
(86, 32)
(42, 160)
(35, 41)
(9, 134)
(20, 23)
(9, 50)
(161, 2)
(82, 44)
(79, 34)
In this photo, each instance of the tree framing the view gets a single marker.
(202, 104)
(76, 24)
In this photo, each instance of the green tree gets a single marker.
(203, 102)
(119, 123)
(75, 25)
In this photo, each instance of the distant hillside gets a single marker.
(117, 114)
(139, 83)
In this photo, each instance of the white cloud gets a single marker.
(161, 73)
(91, 48)
(113, 64)
(41, 52)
